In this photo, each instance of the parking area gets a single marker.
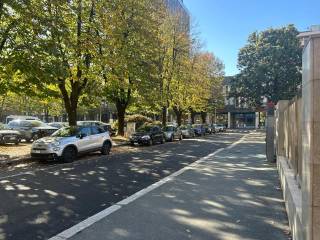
(12, 151)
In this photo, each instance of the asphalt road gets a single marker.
(41, 200)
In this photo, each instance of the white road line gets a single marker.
(104, 213)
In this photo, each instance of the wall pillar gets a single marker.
(280, 127)
(311, 138)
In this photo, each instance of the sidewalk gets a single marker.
(234, 195)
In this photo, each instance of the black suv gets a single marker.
(148, 135)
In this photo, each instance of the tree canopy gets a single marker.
(270, 66)
(140, 56)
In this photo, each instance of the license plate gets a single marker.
(36, 151)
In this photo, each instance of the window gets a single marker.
(96, 130)
(86, 131)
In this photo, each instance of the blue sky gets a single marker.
(226, 24)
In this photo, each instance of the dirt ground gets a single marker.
(14, 151)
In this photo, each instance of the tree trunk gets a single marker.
(121, 115)
(178, 113)
(164, 116)
(72, 116)
(71, 103)
(203, 117)
(46, 114)
(2, 106)
(193, 115)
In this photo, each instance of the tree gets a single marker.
(9, 28)
(60, 50)
(129, 31)
(270, 66)
(171, 53)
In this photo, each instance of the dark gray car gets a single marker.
(147, 135)
(31, 130)
(9, 136)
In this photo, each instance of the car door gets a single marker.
(97, 135)
(85, 141)
(156, 134)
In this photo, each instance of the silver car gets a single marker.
(172, 132)
(187, 131)
(68, 142)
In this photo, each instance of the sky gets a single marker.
(224, 25)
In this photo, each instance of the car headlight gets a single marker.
(55, 144)
(146, 137)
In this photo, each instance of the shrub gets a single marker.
(138, 119)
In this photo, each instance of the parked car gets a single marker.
(105, 126)
(199, 129)
(213, 128)
(9, 136)
(31, 130)
(221, 128)
(19, 117)
(148, 135)
(187, 131)
(58, 125)
(68, 142)
(172, 132)
(208, 129)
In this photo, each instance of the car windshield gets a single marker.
(38, 124)
(145, 128)
(26, 123)
(67, 132)
(168, 129)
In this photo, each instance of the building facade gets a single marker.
(177, 7)
(237, 113)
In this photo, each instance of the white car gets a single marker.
(68, 142)
(220, 127)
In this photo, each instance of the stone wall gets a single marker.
(298, 147)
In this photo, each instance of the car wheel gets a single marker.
(150, 143)
(18, 141)
(106, 147)
(172, 138)
(132, 143)
(69, 154)
(162, 140)
(28, 140)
